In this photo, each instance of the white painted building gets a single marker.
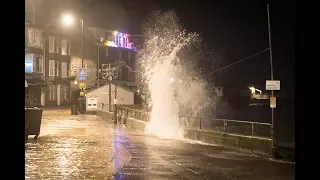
(95, 98)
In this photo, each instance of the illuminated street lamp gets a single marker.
(253, 90)
(68, 20)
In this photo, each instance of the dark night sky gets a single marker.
(239, 28)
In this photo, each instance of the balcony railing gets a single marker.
(34, 75)
(34, 44)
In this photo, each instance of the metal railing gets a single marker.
(105, 107)
(133, 113)
(248, 128)
(229, 126)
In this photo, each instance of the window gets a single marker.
(29, 14)
(64, 69)
(53, 44)
(56, 45)
(29, 62)
(38, 63)
(35, 38)
(52, 92)
(57, 68)
(52, 68)
(38, 38)
(65, 92)
(64, 47)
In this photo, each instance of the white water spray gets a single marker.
(169, 75)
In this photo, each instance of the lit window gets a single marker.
(29, 62)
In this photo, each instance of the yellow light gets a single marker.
(68, 19)
(115, 32)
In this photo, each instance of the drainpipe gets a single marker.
(43, 89)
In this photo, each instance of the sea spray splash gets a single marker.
(169, 72)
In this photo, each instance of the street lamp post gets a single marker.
(68, 20)
(271, 69)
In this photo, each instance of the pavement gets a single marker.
(89, 147)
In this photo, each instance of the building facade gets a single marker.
(57, 58)
(34, 58)
(47, 61)
(103, 47)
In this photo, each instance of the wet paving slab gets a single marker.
(154, 158)
(89, 147)
(73, 147)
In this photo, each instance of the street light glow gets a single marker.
(68, 19)
(253, 90)
(171, 79)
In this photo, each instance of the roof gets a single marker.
(123, 87)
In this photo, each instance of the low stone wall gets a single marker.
(259, 145)
(105, 114)
(135, 124)
(256, 144)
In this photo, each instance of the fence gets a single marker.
(228, 126)
(133, 113)
(105, 107)
(223, 125)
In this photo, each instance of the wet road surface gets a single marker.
(88, 147)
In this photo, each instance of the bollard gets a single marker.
(74, 110)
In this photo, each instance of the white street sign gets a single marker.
(272, 85)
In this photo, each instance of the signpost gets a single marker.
(82, 74)
(272, 85)
(82, 85)
(82, 77)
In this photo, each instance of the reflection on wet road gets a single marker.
(88, 147)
